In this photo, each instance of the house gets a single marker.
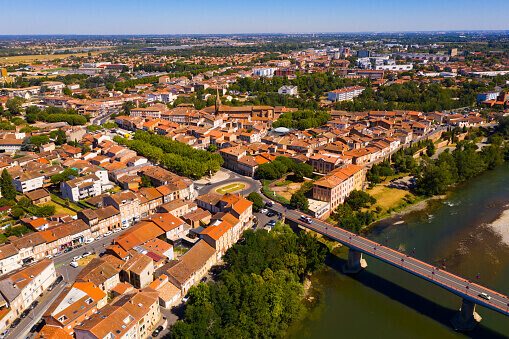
(179, 274)
(200, 258)
(9, 258)
(101, 273)
(288, 90)
(173, 226)
(101, 220)
(39, 196)
(169, 294)
(138, 271)
(132, 315)
(28, 181)
(81, 187)
(127, 203)
(75, 304)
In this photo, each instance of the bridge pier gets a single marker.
(466, 318)
(355, 262)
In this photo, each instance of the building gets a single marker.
(81, 187)
(21, 287)
(288, 90)
(101, 220)
(101, 273)
(347, 93)
(127, 203)
(28, 181)
(10, 145)
(39, 196)
(138, 271)
(130, 316)
(264, 72)
(336, 186)
(75, 304)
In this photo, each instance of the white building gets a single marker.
(407, 67)
(28, 181)
(288, 90)
(264, 72)
(81, 188)
(347, 93)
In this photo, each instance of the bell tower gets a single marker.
(218, 101)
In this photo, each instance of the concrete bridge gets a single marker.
(464, 320)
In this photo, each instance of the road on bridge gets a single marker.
(439, 276)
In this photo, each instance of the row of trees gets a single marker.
(54, 114)
(302, 119)
(176, 156)
(259, 293)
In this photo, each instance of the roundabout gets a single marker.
(232, 188)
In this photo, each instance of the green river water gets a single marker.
(385, 302)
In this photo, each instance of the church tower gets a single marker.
(218, 101)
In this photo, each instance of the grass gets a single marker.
(31, 58)
(230, 188)
(59, 209)
(268, 193)
(60, 200)
(284, 183)
(116, 189)
(86, 260)
(387, 197)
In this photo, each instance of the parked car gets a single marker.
(24, 314)
(116, 230)
(76, 258)
(78, 246)
(89, 240)
(49, 256)
(157, 331)
(108, 233)
(4, 333)
(35, 328)
(34, 304)
(99, 237)
(271, 214)
(59, 280)
(15, 322)
(74, 264)
(269, 204)
(58, 253)
(126, 226)
(68, 250)
(263, 210)
(86, 254)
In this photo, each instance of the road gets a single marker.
(69, 274)
(252, 185)
(439, 276)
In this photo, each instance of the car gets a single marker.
(89, 240)
(99, 237)
(108, 233)
(484, 296)
(24, 314)
(49, 256)
(306, 219)
(204, 279)
(125, 227)
(4, 333)
(271, 214)
(78, 246)
(116, 230)
(59, 280)
(15, 322)
(58, 253)
(157, 331)
(269, 204)
(35, 327)
(208, 184)
(76, 258)
(86, 254)
(74, 264)
(264, 210)
(68, 250)
(34, 304)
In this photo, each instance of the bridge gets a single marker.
(464, 320)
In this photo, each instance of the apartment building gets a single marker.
(101, 220)
(101, 273)
(28, 181)
(347, 93)
(81, 187)
(127, 203)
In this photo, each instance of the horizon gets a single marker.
(130, 17)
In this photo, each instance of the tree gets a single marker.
(212, 148)
(14, 105)
(145, 181)
(25, 202)
(6, 186)
(66, 91)
(300, 201)
(109, 86)
(430, 149)
(302, 170)
(61, 137)
(256, 199)
(359, 199)
(17, 212)
(38, 140)
(127, 106)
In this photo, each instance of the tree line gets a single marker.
(302, 119)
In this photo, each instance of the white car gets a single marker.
(263, 211)
(89, 240)
(99, 237)
(108, 233)
(49, 256)
(125, 227)
(86, 254)
(4, 333)
(116, 230)
(77, 258)
(74, 264)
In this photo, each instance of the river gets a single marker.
(385, 302)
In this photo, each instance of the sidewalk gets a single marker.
(220, 175)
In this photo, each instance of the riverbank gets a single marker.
(501, 226)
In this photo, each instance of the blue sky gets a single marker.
(255, 16)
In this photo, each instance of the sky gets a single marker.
(114, 17)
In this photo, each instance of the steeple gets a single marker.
(218, 101)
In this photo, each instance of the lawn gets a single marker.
(59, 209)
(86, 260)
(230, 188)
(387, 197)
(60, 200)
(284, 183)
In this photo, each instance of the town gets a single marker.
(130, 169)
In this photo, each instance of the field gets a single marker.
(42, 57)
(236, 186)
(59, 209)
(387, 197)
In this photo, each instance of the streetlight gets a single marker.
(443, 264)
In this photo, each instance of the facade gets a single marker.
(81, 187)
(347, 93)
(101, 220)
(127, 203)
(28, 181)
(288, 90)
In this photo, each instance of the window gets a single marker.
(89, 301)
(63, 318)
